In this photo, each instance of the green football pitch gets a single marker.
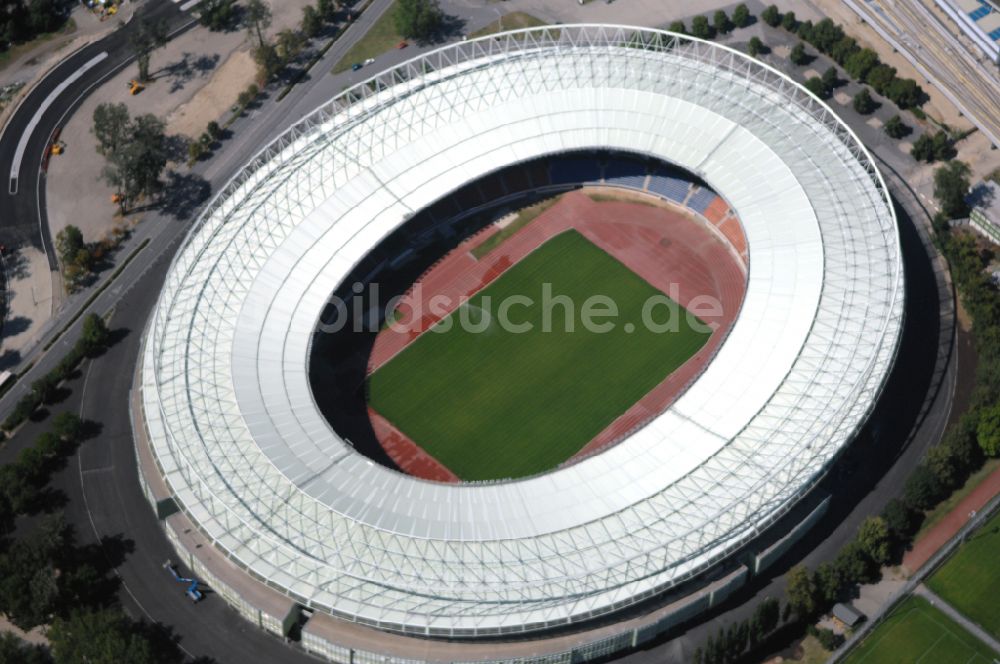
(501, 404)
(918, 632)
(970, 580)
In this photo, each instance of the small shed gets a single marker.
(847, 614)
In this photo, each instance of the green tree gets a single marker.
(134, 169)
(69, 242)
(803, 595)
(268, 62)
(863, 102)
(798, 54)
(843, 49)
(327, 9)
(771, 16)
(951, 185)
(854, 565)
(289, 44)
(741, 16)
(880, 77)
(873, 538)
(256, 20)
(815, 85)
(29, 590)
(700, 28)
(44, 388)
(859, 63)
(922, 489)
(896, 128)
(107, 636)
(217, 15)
(942, 462)
(988, 432)
(418, 19)
(901, 520)
(15, 651)
(829, 582)
(721, 22)
(146, 38)
(110, 127)
(95, 334)
(830, 78)
(923, 148)
(825, 35)
(789, 22)
(756, 47)
(805, 31)
(678, 27)
(904, 92)
(312, 22)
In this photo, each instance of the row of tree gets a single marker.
(721, 23)
(93, 339)
(23, 20)
(861, 64)
(731, 643)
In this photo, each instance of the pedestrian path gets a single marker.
(936, 537)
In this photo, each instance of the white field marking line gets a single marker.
(22, 144)
(90, 515)
(933, 645)
(950, 633)
(188, 5)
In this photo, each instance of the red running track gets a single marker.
(667, 246)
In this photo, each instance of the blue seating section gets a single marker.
(625, 173)
(701, 199)
(995, 35)
(983, 11)
(669, 186)
(575, 171)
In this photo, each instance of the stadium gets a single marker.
(240, 394)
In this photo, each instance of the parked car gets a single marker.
(369, 61)
(402, 44)
(356, 66)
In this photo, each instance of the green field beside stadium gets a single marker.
(498, 404)
(970, 580)
(918, 632)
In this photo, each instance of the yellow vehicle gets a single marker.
(135, 87)
(58, 148)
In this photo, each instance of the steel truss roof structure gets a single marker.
(242, 445)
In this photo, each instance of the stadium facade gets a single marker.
(225, 412)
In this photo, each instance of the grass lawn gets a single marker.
(916, 631)
(524, 217)
(499, 404)
(380, 38)
(509, 21)
(970, 580)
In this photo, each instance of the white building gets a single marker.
(241, 446)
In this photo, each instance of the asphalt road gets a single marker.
(22, 200)
(104, 496)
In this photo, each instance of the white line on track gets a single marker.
(22, 144)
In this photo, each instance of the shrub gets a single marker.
(896, 128)
(771, 16)
(721, 22)
(678, 27)
(798, 54)
(755, 47)
(789, 22)
(741, 16)
(700, 28)
(863, 102)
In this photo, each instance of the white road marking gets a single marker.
(188, 5)
(23, 143)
